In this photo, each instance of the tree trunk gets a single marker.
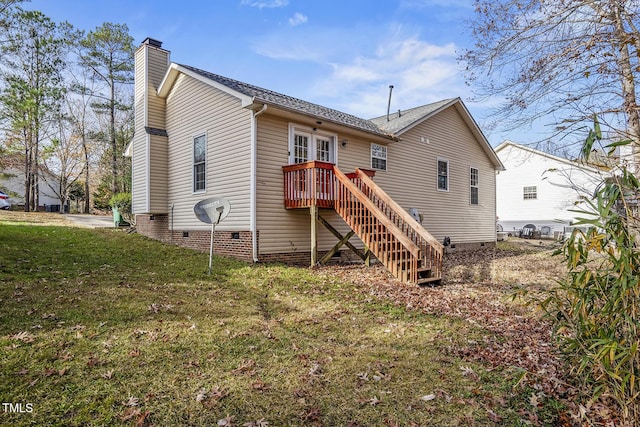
(86, 172)
(27, 178)
(112, 131)
(621, 44)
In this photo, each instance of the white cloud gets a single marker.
(297, 19)
(354, 77)
(265, 3)
(420, 72)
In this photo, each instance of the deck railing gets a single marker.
(309, 184)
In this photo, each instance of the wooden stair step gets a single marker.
(425, 280)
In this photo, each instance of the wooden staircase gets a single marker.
(397, 240)
(394, 237)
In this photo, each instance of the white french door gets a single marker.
(306, 146)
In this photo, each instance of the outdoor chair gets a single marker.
(527, 231)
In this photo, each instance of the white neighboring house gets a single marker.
(541, 189)
(12, 183)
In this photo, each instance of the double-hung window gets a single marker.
(378, 157)
(530, 192)
(443, 175)
(199, 163)
(474, 186)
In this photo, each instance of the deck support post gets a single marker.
(342, 240)
(313, 209)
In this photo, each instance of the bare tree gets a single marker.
(82, 122)
(561, 60)
(63, 160)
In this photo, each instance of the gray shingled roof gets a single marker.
(291, 103)
(399, 121)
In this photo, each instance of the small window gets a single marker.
(378, 157)
(474, 186)
(199, 163)
(443, 175)
(530, 193)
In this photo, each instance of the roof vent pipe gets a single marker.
(389, 104)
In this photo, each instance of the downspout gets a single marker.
(254, 161)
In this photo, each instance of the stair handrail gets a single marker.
(375, 210)
(404, 215)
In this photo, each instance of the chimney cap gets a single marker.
(152, 42)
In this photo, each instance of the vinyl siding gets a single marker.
(289, 230)
(158, 174)
(149, 157)
(560, 187)
(139, 156)
(194, 108)
(158, 62)
(139, 174)
(411, 178)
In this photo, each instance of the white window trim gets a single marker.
(386, 157)
(471, 168)
(438, 160)
(314, 134)
(193, 163)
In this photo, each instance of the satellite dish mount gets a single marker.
(212, 211)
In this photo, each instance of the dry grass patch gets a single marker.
(34, 218)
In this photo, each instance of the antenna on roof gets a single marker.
(389, 104)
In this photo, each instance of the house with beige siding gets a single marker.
(305, 182)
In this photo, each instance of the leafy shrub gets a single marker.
(122, 201)
(596, 309)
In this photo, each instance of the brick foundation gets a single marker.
(236, 244)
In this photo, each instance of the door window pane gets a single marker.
(300, 148)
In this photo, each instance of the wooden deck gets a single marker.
(313, 184)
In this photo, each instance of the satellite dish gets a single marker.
(212, 210)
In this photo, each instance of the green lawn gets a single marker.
(101, 327)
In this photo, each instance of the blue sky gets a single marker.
(340, 54)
